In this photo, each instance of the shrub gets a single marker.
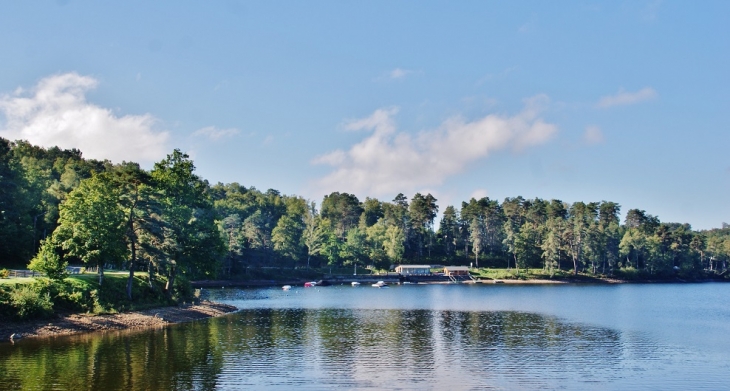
(67, 296)
(4, 273)
(631, 273)
(49, 262)
(182, 291)
(29, 301)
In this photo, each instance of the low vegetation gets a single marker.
(26, 298)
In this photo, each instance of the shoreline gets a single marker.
(70, 324)
(81, 323)
(345, 280)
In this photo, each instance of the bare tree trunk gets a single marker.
(101, 273)
(132, 266)
(170, 281)
(150, 273)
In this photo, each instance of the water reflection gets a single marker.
(167, 358)
(330, 348)
(362, 348)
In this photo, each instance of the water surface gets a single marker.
(418, 337)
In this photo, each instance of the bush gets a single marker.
(182, 291)
(71, 296)
(4, 273)
(44, 296)
(630, 273)
(29, 301)
(49, 262)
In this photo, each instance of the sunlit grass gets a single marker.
(116, 274)
(514, 274)
(16, 280)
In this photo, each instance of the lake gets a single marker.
(410, 337)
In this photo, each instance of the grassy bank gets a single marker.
(32, 298)
(625, 275)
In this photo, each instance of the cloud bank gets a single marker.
(627, 98)
(388, 161)
(55, 113)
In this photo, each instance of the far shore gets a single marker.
(390, 279)
(84, 323)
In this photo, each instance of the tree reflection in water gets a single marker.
(331, 348)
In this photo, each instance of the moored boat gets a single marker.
(286, 287)
(355, 283)
(380, 284)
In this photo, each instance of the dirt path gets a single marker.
(81, 323)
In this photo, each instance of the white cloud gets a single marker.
(380, 121)
(593, 135)
(214, 133)
(55, 113)
(399, 73)
(334, 158)
(387, 161)
(627, 98)
(478, 194)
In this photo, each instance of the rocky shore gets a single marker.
(83, 323)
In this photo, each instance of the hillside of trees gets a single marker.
(57, 208)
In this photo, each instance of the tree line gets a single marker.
(58, 208)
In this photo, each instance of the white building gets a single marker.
(419, 270)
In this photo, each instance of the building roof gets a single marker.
(414, 266)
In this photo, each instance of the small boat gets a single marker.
(355, 283)
(380, 284)
(310, 284)
(286, 287)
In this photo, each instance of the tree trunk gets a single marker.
(150, 274)
(170, 281)
(132, 266)
(559, 263)
(132, 244)
(101, 273)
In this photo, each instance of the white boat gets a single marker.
(380, 284)
(286, 287)
(355, 283)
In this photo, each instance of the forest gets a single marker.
(58, 208)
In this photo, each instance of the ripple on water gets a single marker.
(355, 339)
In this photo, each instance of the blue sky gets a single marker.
(580, 101)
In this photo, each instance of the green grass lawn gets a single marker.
(16, 280)
(513, 274)
(92, 277)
